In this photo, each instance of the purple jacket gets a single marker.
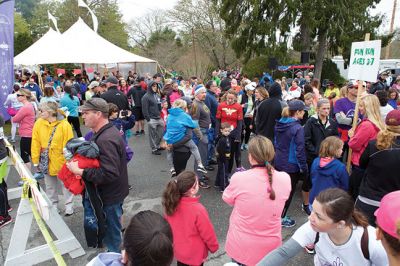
(290, 155)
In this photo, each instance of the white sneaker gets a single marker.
(68, 210)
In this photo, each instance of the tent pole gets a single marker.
(135, 71)
(40, 80)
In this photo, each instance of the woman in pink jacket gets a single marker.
(258, 196)
(25, 117)
(365, 131)
(192, 230)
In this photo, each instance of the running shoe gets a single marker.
(240, 169)
(201, 169)
(5, 220)
(306, 209)
(173, 172)
(203, 184)
(287, 222)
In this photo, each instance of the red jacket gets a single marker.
(72, 182)
(364, 132)
(192, 231)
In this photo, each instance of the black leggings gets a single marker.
(3, 199)
(235, 154)
(246, 129)
(25, 149)
(356, 177)
(74, 121)
(294, 178)
(180, 160)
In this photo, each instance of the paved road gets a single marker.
(149, 174)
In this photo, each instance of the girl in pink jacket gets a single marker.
(193, 233)
(258, 196)
(365, 131)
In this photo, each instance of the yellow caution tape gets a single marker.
(56, 253)
(28, 182)
(49, 240)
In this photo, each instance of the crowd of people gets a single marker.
(291, 129)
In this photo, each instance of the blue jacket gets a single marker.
(71, 104)
(332, 175)
(212, 104)
(123, 124)
(177, 122)
(289, 145)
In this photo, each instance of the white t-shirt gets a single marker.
(385, 110)
(348, 254)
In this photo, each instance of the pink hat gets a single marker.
(388, 213)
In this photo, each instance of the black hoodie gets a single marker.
(151, 104)
(269, 112)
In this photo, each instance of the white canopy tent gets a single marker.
(42, 51)
(80, 44)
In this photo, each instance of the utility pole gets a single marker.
(387, 54)
(194, 51)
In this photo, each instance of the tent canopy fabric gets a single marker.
(41, 52)
(79, 44)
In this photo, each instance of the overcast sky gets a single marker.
(137, 8)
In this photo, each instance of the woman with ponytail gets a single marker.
(71, 102)
(381, 159)
(340, 233)
(192, 230)
(258, 196)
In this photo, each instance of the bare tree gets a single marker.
(201, 17)
(141, 29)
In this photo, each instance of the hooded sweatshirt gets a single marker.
(151, 104)
(324, 176)
(268, 112)
(106, 259)
(289, 145)
(177, 122)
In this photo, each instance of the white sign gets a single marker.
(364, 60)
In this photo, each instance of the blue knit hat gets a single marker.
(296, 105)
(199, 89)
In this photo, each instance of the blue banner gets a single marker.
(6, 52)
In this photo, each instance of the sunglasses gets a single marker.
(18, 95)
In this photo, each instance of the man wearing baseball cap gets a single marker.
(113, 95)
(388, 226)
(111, 178)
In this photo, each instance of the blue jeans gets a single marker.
(211, 144)
(113, 237)
(203, 149)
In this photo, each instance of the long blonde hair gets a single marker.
(372, 110)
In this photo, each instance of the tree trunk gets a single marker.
(321, 50)
(305, 37)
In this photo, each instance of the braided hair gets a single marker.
(262, 151)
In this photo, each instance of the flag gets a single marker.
(52, 18)
(61, 71)
(6, 52)
(94, 18)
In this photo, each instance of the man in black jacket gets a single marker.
(269, 112)
(111, 179)
(113, 95)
